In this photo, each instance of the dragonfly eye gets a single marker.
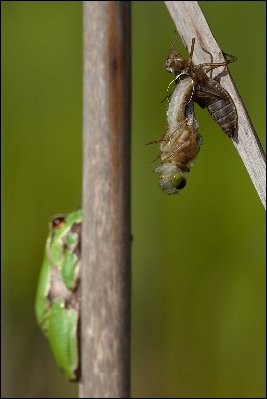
(178, 181)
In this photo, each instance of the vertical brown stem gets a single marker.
(105, 343)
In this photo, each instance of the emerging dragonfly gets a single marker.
(208, 93)
(181, 143)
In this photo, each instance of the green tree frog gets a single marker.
(57, 305)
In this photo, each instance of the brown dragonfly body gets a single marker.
(208, 93)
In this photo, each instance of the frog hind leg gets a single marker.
(63, 337)
(42, 304)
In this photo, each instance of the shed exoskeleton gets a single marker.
(208, 93)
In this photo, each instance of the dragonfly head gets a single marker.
(171, 179)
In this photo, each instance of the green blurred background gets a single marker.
(198, 259)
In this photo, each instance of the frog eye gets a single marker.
(58, 222)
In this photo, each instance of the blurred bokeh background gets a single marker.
(198, 258)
